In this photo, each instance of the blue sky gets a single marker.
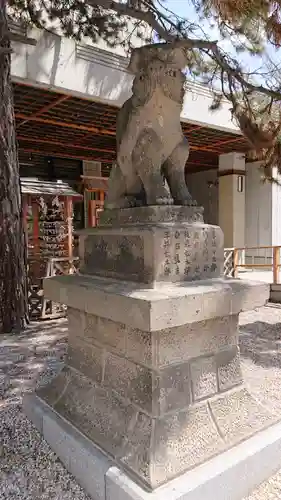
(181, 7)
(185, 9)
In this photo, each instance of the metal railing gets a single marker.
(260, 258)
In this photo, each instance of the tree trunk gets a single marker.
(13, 296)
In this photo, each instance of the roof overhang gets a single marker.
(65, 126)
(38, 187)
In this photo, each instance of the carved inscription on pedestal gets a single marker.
(214, 251)
(177, 249)
(167, 253)
(206, 252)
(187, 253)
(190, 253)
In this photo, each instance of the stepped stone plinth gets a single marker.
(152, 376)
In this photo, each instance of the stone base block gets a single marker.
(152, 245)
(172, 214)
(231, 475)
(169, 305)
(155, 450)
(153, 376)
(153, 254)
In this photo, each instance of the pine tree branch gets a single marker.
(124, 9)
(174, 41)
(237, 75)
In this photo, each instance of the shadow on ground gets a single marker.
(32, 357)
(261, 342)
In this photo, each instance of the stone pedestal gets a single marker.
(152, 375)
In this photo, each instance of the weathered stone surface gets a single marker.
(204, 377)
(106, 332)
(150, 215)
(86, 358)
(229, 369)
(137, 451)
(115, 256)
(53, 391)
(153, 253)
(103, 480)
(157, 447)
(150, 143)
(99, 414)
(130, 381)
(76, 321)
(181, 441)
(179, 344)
(161, 348)
(159, 308)
(238, 415)
(173, 389)
(118, 337)
(141, 346)
(247, 295)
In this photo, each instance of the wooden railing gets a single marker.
(39, 306)
(57, 267)
(261, 258)
(228, 267)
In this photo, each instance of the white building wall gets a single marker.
(258, 208)
(262, 204)
(60, 64)
(90, 71)
(203, 187)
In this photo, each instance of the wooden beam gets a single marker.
(193, 169)
(192, 127)
(58, 123)
(109, 108)
(77, 146)
(63, 144)
(70, 155)
(45, 109)
(94, 130)
(228, 141)
(67, 154)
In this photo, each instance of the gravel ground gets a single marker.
(29, 470)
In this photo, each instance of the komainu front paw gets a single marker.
(187, 202)
(161, 200)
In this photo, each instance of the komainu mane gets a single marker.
(151, 148)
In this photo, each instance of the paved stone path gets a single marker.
(29, 470)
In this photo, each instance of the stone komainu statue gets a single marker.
(151, 148)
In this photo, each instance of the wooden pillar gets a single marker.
(35, 236)
(235, 262)
(36, 230)
(68, 216)
(24, 211)
(92, 211)
(276, 264)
